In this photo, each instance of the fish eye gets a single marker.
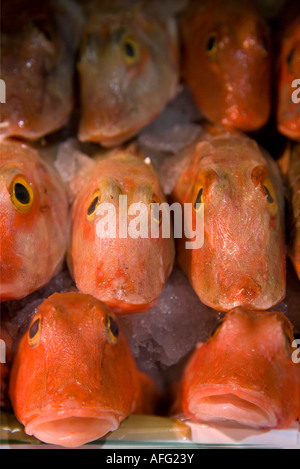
(93, 205)
(21, 194)
(199, 200)
(34, 332)
(112, 329)
(270, 196)
(290, 57)
(211, 44)
(131, 50)
(156, 212)
(270, 199)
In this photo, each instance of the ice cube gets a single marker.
(164, 336)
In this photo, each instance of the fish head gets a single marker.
(74, 378)
(288, 112)
(226, 63)
(128, 71)
(36, 66)
(245, 372)
(34, 221)
(113, 254)
(242, 259)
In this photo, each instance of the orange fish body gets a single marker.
(288, 90)
(73, 377)
(290, 167)
(128, 71)
(37, 66)
(34, 221)
(226, 62)
(244, 373)
(242, 261)
(126, 271)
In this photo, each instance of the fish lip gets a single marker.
(107, 139)
(289, 132)
(245, 401)
(99, 422)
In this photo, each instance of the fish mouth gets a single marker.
(231, 404)
(72, 428)
(289, 130)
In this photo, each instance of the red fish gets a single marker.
(288, 107)
(125, 271)
(34, 220)
(128, 70)
(238, 187)
(290, 167)
(226, 62)
(74, 378)
(244, 373)
(37, 65)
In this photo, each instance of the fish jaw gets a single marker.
(223, 403)
(72, 427)
(290, 127)
(232, 376)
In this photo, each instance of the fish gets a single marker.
(38, 66)
(107, 257)
(244, 373)
(34, 220)
(128, 70)
(226, 62)
(288, 70)
(73, 377)
(235, 194)
(289, 164)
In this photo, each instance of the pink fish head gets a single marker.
(34, 220)
(113, 253)
(128, 71)
(245, 373)
(242, 259)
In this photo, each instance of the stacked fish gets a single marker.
(151, 104)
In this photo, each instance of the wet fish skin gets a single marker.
(288, 70)
(244, 373)
(128, 71)
(34, 220)
(227, 62)
(242, 261)
(73, 377)
(289, 164)
(37, 65)
(127, 273)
